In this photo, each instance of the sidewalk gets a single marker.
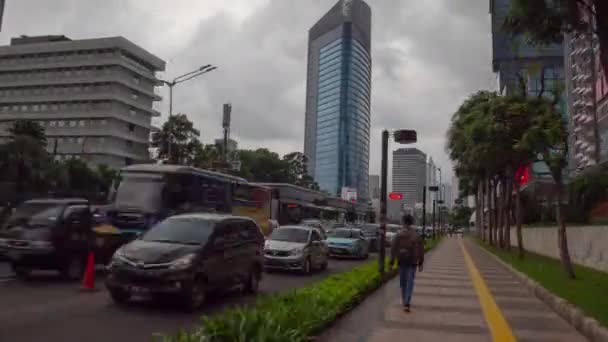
(455, 300)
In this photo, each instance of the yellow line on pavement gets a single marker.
(499, 328)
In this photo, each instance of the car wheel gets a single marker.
(253, 281)
(195, 295)
(73, 268)
(306, 267)
(22, 272)
(120, 297)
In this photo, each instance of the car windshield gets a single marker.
(345, 233)
(298, 235)
(141, 191)
(182, 230)
(34, 214)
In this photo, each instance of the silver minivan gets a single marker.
(295, 248)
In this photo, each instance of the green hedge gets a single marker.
(588, 291)
(292, 316)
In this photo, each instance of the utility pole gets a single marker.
(440, 200)
(383, 195)
(403, 137)
(434, 218)
(423, 211)
(226, 127)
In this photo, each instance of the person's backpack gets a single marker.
(405, 251)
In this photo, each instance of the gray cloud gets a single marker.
(427, 55)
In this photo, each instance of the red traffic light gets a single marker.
(406, 136)
(395, 196)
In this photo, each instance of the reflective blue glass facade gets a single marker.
(343, 116)
(337, 115)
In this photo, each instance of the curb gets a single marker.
(586, 325)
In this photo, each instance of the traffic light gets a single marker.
(405, 136)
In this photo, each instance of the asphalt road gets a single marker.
(47, 309)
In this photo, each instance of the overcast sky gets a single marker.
(427, 57)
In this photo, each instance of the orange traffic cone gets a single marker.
(88, 281)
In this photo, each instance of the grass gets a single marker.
(295, 315)
(589, 291)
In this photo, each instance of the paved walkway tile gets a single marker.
(463, 294)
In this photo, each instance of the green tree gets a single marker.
(23, 162)
(183, 137)
(549, 137)
(206, 156)
(28, 128)
(297, 168)
(262, 165)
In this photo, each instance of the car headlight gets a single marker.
(297, 251)
(183, 262)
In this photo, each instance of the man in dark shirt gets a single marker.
(408, 250)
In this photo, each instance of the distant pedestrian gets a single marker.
(408, 250)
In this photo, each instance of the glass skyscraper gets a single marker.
(338, 98)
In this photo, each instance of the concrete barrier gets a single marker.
(588, 245)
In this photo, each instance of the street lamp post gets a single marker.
(179, 79)
(433, 188)
(440, 199)
(403, 137)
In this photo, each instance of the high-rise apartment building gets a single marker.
(409, 175)
(93, 97)
(338, 98)
(374, 186)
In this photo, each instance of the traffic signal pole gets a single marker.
(383, 195)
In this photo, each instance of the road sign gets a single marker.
(458, 201)
(433, 188)
(440, 201)
(395, 196)
(406, 136)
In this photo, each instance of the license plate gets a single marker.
(138, 290)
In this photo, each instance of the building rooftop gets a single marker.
(60, 43)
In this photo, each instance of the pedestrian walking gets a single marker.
(408, 250)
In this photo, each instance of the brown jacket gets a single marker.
(407, 238)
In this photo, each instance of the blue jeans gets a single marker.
(407, 273)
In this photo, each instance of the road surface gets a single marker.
(47, 309)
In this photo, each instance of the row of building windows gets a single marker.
(59, 107)
(62, 73)
(52, 57)
(336, 44)
(63, 90)
(78, 55)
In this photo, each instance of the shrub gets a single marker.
(292, 316)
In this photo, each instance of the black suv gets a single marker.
(189, 255)
(53, 233)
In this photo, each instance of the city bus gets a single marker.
(148, 193)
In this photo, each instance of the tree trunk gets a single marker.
(507, 213)
(477, 214)
(518, 219)
(489, 205)
(562, 237)
(501, 213)
(482, 213)
(495, 213)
